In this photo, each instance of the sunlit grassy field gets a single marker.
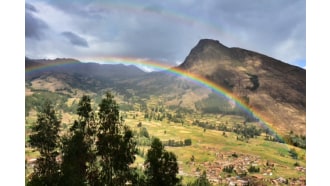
(205, 145)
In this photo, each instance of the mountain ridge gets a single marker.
(275, 89)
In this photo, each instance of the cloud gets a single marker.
(75, 39)
(29, 7)
(34, 27)
(168, 30)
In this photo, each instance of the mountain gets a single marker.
(275, 89)
(73, 66)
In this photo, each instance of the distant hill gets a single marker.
(73, 66)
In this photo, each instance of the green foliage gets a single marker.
(205, 125)
(293, 153)
(144, 132)
(36, 101)
(228, 169)
(74, 160)
(45, 139)
(201, 181)
(296, 140)
(138, 178)
(253, 169)
(173, 143)
(79, 157)
(234, 155)
(115, 147)
(161, 166)
(192, 158)
(115, 144)
(126, 107)
(247, 131)
(214, 104)
(187, 142)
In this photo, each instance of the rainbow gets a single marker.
(50, 64)
(173, 70)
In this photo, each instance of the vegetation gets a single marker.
(253, 169)
(296, 140)
(45, 139)
(201, 181)
(228, 169)
(254, 80)
(37, 100)
(177, 130)
(161, 166)
(79, 159)
(105, 161)
(115, 144)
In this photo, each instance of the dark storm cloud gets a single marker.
(75, 39)
(29, 7)
(34, 27)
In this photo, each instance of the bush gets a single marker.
(252, 169)
(187, 142)
(228, 169)
(293, 153)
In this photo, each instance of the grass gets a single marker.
(206, 144)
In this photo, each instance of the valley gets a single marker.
(214, 144)
(197, 122)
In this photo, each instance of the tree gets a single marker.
(161, 166)
(79, 157)
(201, 181)
(144, 132)
(293, 153)
(192, 159)
(74, 160)
(45, 139)
(187, 142)
(115, 144)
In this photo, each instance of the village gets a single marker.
(238, 166)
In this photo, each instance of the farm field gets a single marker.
(213, 150)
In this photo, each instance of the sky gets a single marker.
(163, 31)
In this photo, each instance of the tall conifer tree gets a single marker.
(45, 139)
(115, 144)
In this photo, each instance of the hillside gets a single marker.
(275, 89)
(73, 66)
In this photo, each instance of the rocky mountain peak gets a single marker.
(207, 50)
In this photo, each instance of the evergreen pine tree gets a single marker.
(45, 139)
(79, 157)
(115, 144)
(161, 166)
